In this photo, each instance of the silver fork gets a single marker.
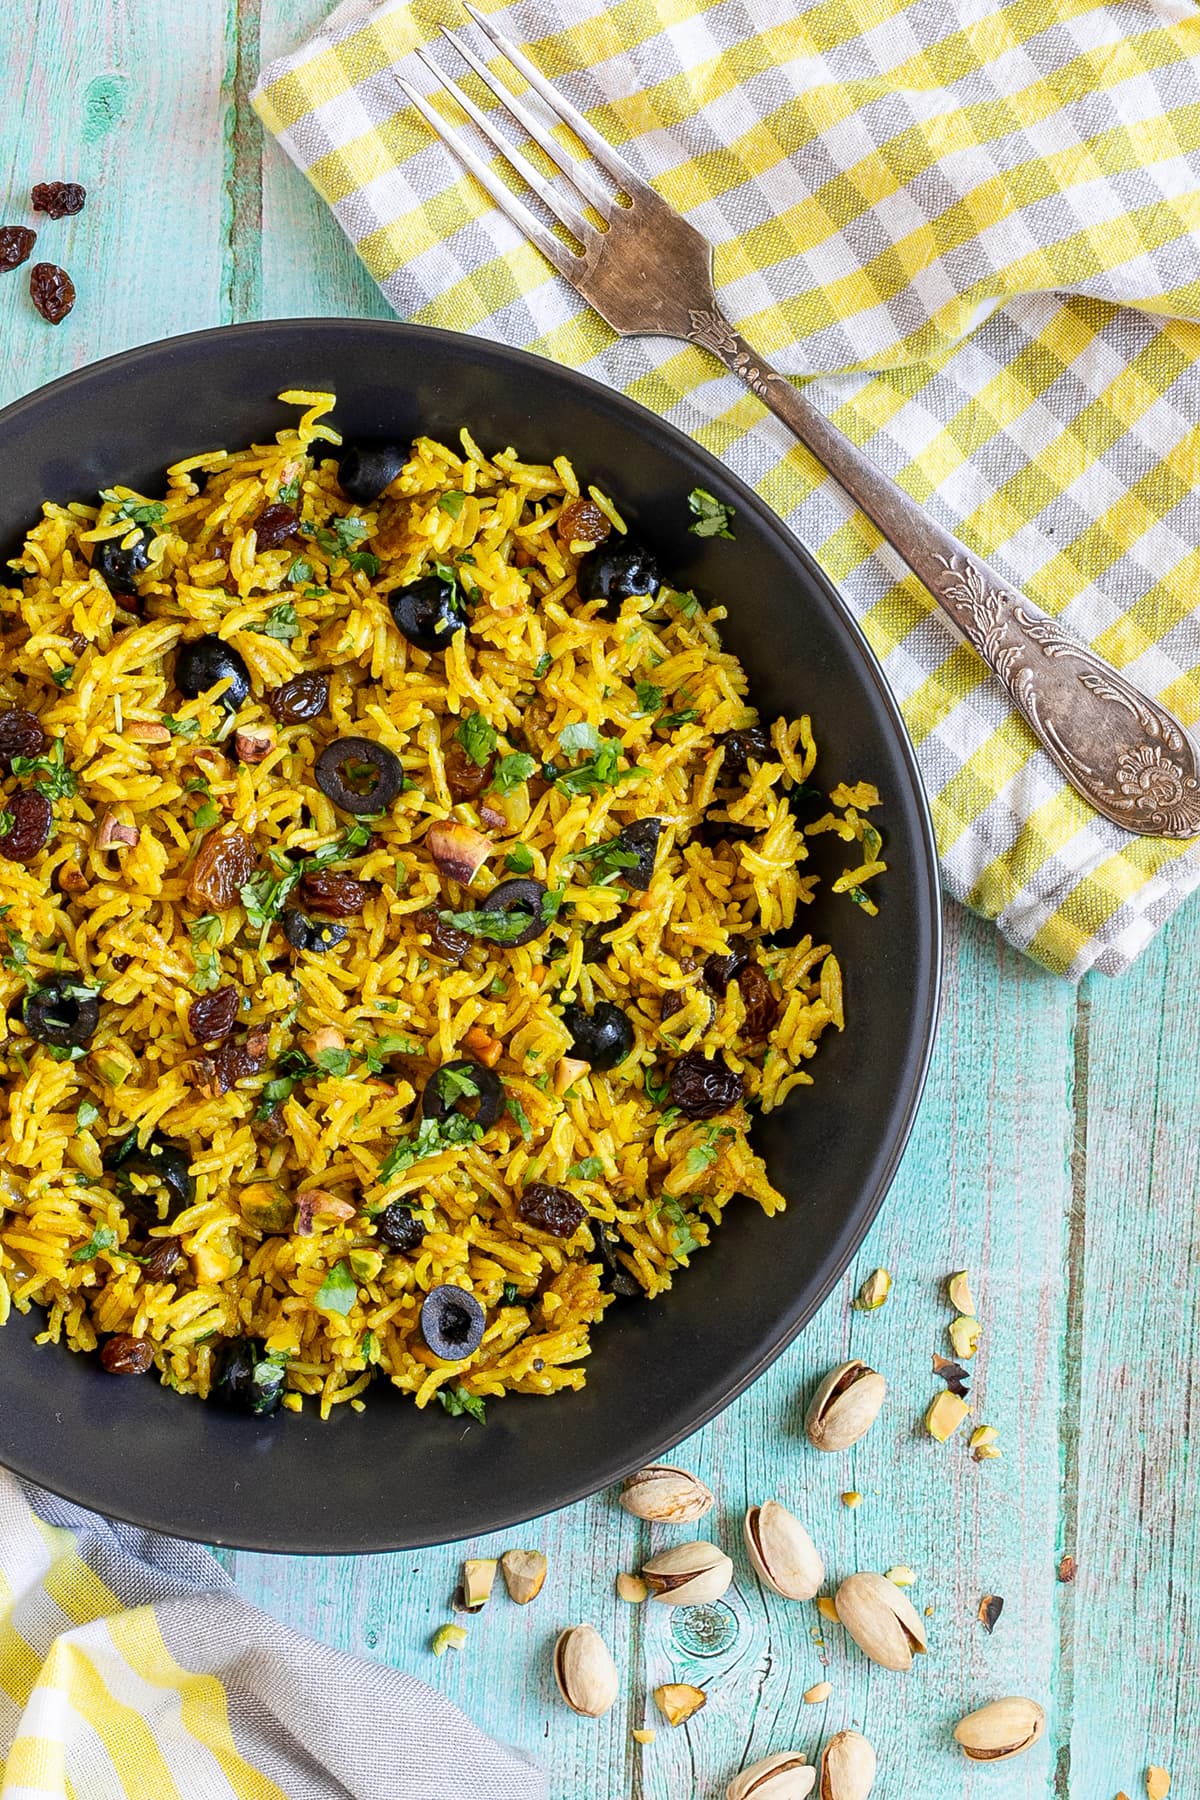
(649, 273)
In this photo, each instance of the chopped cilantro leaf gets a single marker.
(519, 859)
(137, 511)
(542, 666)
(290, 493)
(512, 770)
(580, 736)
(683, 1242)
(281, 622)
(502, 928)
(63, 677)
(339, 1290)
(365, 562)
(86, 1115)
(457, 1400)
(477, 737)
(334, 1062)
(103, 1238)
(512, 1294)
(182, 728)
(649, 697)
(301, 570)
(455, 1084)
(206, 815)
(7, 821)
(340, 536)
(713, 517)
(52, 776)
(452, 502)
(517, 1113)
(590, 1169)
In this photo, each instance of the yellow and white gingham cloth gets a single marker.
(131, 1670)
(979, 226)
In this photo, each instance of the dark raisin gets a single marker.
(701, 1088)
(740, 747)
(275, 525)
(582, 522)
(551, 1209)
(762, 1008)
(234, 1062)
(21, 734)
(444, 940)
(338, 895)
(52, 292)
(16, 241)
(32, 818)
(613, 1274)
(213, 1016)
(121, 962)
(58, 199)
(399, 1228)
(166, 1256)
(126, 1355)
(672, 1002)
(719, 971)
(223, 866)
(465, 779)
(274, 1127)
(300, 699)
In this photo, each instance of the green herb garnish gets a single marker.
(182, 728)
(86, 1115)
(103, 1238)
(512, 1294)
(580, 736)
(457, 1400)
(300, 571)
(542, 666)
(649, 697)
(138, 512)
(62, 678)
(517, 1113)
(477, 737)
(53, 778)
(206, 816)
(519, 859)
(281, 623)
(453, 1085)
(7, 821)
(512, 770)
(503, 928)
(339, 1290)
(713, 517)
(590, 1169)
(341, 536)
(431, 1136)
(365, 562)
(452, 502)
(683, 1241)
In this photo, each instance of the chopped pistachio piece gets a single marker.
(874, 1291)
(902, 1576)
(1158, 1783)
(827, 1609)
(959, 1289)
(678, 1700)
(983, 1434)
(631, 1588)
(478, 1576)
(945, 1415)
(524, 1572)
(820, 1692)
(988, 1453)
(852, 1498)
(965, 1333)
(644, 1734)
(449, 1637)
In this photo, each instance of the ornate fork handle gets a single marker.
(1124, 752)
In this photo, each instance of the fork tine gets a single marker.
(569, 215)
(600, 148)
(577, 173)
(555, 253)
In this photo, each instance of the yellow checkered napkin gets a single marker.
(130, 1670)
(978, 227)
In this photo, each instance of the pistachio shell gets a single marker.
(847, 1767)
(845, 1406)
(781, 1552)
(1002, 1728)
(666, 1494)
(785, 1776)
(689, 1574)
(585, 1671)
(881, 1619)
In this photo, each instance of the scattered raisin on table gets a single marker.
(275, 525)
(58, 199)
(52, 292)
(465, 779)
(762, 1008)
(338, 895)
(223, 866)
(582, 522)
(302, 698)
(126, 1355)
(212, 1017)
(551, 1209)
(32, 817)
(166, 1254)
(701, 1088)
(16, 241)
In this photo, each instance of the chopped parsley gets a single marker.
(683, 1241)
(341, 536)
(103, 1238)
(590, 1169)
(334, 1062)
(430, 1137)
(579, 736)
(517, 1112)
(52, 776)
(542, 666)
(656, 1089)
(206, 816)
(713, 517)
(452, 502)
(477, 737)
(519, 859)
(339, 1290)
(699, 1158)
(600, 770)
(605, 860)
(293, 1067)
(182, 728)
(512, 770)
(445, 573)
(300, 571)
(503, 928)
(290, 492)
(137, 511)
(86, 1115)
(457, 1400)
(281, 622)
(453, 1085)
(649, 697)
(365, 562)
(62, 678)
(391, 1044)
(204, 933)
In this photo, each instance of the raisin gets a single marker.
(52, 292)
(701, 1088)
(275, 525)
(339, 895)
(58, 199)
(273, 1127)
(16, 241)
(551, 1209)
(398, 1227)
(213, 1016)
(444, 940)
(582, 522)
(21, 734)
(235, 1062)
(739, 747)
(719, 971)
(672, 1002)
(302, 698)
(762, 1008)
(32, 817)
(465, 779)
(224, 864)
(165, 1256)
(121, 962)
(126, 1355)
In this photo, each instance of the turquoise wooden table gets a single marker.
(1055, 1157)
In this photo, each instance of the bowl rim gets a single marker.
(614, 1464)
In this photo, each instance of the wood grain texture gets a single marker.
(1055, 1157)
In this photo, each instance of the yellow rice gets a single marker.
(662, 1180)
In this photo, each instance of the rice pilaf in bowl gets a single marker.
(403, 918)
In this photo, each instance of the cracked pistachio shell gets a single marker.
(585, 1671)
(847, 1767)
(665, 1494)
(688, 1575)
(881, 1619)
(1004, 1728)
(781, 1552)
(845, 1406)
(785, 1776)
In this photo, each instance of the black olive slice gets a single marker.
(465, 1087)
(452, 1323)
(524, 893)
(359, 776)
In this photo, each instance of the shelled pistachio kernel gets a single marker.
(958, 1286)
(874, 1291)
(946, 1413)
(852, 1498)
(965, 1333)
(1158, 1783)
(677, 1701)
(644, 1734)
(479, 1573)
(827, 1608)
(524, 1573)
(631, 1588)
(448, 1637)
(901, 1575)
(813, 1696)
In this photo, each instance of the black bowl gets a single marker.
(391, 1477)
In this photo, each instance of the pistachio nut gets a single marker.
(785, 1776)
(845, 1406)
(781, 1552)
(479, 1573)
(881, 1619)
(847, 1767)
(874, 1291)
(944, 1415)
(524, 1573)
(689, 1574)
(965, 1333)
(678, 1700)
(1003, 1728)
(958, 1287)
(585, 1671)
(666, 1495)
